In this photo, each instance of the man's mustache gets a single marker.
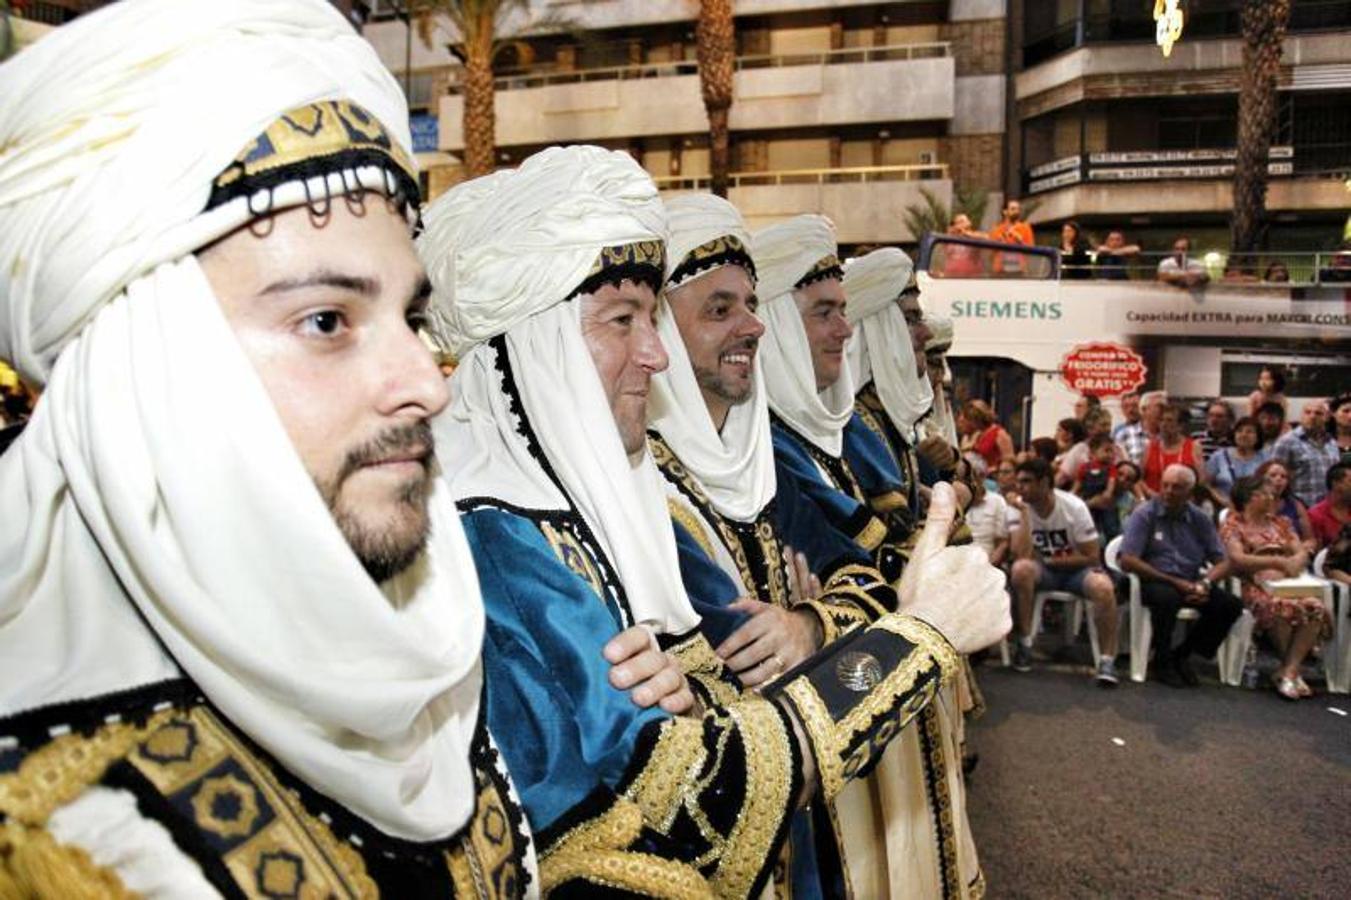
(400, 441)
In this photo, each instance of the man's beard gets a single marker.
(386, 551)
(711, 380)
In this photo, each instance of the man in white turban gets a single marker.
(239, 620)
(886, 358)
(546, 281)
(710, 438)
(811, 390)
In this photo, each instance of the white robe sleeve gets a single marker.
(105, 823)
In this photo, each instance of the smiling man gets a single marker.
(753, 553)
(546, 279)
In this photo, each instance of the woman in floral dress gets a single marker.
(1263, 547)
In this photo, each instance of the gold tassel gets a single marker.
(33, 866)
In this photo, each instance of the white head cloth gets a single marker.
(734, 466)
(156, 469)
(880, 350)
(941, 333)
(783, 255)
(503, 253)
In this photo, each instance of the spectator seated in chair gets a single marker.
(1167, 542)
(1055, 548)
(1263, 548)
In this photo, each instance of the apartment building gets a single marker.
(1108, 131)
(846, 108)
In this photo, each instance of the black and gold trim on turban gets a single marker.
(331, 136)
(826, 267)
(726, 250)
(642, 262)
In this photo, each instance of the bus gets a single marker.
(1023, 326)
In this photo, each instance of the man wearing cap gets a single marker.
(546, 280)
(239, 620)
(709, 435)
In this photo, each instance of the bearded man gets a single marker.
(239, 619)
(546, 279)
(733, 515)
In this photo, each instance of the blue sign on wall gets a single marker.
(424, 133)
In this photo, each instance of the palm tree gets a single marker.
(1263, 25)
(715, 49)
(480, 35)
(934, 215)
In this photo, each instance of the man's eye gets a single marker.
(324, 323)
(418, 319)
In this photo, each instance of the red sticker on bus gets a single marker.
(1103, 369)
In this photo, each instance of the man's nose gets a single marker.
(413, 379)
(650, 354)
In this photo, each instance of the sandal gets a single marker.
(1288, 689)
(1304, 689)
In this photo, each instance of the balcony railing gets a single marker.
(1214, 19)
(1146, 165)
(847, 175)
(535, 78)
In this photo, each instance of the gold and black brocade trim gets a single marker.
(642, 262)
(865, 529)
(725, 250)
(591, 848)
(940, 798)
(823, 268)
(836, 619)
(755, 547)
(252, 827)
(723, 788)
(858, 693)
(708, 676)
(321, 138)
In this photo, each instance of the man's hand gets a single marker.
(772, 642)
(802, 584)
(1195, 593)
(637, 663)
(1015, 500)
(954, 589)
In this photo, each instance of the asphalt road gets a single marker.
(1151, 791)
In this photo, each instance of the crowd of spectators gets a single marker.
(1209, 518)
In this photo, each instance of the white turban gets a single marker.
(494, 279)
(734, 466)
(942, 423)
(784, 255)
(503, 254)
(156, 468)
(940, 332)
(880, 350)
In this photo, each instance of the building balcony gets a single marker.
(865, 202)
(912, 82)
(1181, 181)
(1111, 71)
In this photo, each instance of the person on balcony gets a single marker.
(1181, 269)
(1011, 230)
(1263, 548)
(1169, 542)
(1114, 256)
(1074, 260)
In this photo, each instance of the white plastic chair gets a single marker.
(1073, 619)
(1232, 653)
(1337, 652)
